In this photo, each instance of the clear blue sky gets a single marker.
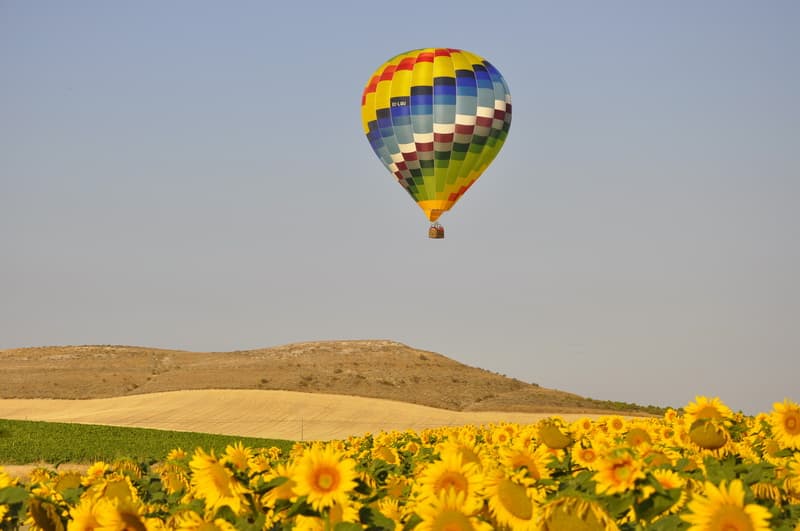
(193, 175)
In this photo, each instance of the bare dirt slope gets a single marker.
(375, 369)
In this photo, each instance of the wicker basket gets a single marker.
(436, 232)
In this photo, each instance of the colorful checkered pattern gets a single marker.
(436, 118)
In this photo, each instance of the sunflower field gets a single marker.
(702, 469)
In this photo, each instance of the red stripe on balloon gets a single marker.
(406, 64)
(369, 89)
(388, 73)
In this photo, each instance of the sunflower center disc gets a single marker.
(325, 480)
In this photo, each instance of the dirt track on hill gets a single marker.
(255, 413)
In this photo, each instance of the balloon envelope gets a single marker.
(436, 117)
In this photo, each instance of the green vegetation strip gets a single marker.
(23, 441)
(629, 407)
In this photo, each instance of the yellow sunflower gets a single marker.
(173, 478)
(500, 436)
(723, 509)
(212, 481)
(763, 490)
(511, 501)
(709, 434)
(471, 451)
(390, 508)
(177, 454)
(238, 455)
(573, 513)
(771, 449)
(614, 424)
(552, 433)
(583, 426)
(284, 491)
(386, 453)
(258, 464)
(298, 449)
(527, 435)
(274, 453)
(586, 456)
(114, 486)
(396, 486)
(411, 447)
(95, 472)
(638, 437)
(746, 450)
(119, 514)
(617, 472)
(450, 511)
(5, 479)
(43, 515)
(671, 480)
(308, 523)
(83, 517)
(191, 521)
(324, 475)
(792, 481)
(338, 513)
(785, 421)
(128, 467)
(534, 462)
(659, 456)
(450, 472)
(67, 480)
(40, 475)
(665, 433)
(705, 408)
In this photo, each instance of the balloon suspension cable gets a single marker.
(436, 232)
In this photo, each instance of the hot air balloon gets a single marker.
(436, 117)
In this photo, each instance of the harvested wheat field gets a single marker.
(254, 413)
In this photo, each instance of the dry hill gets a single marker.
(376, 369)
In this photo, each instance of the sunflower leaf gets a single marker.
(362, 488)
(374, 519)
(657, 504)
(72, 495)
(274, 483)
(412, 522)
(755, 472)
(301, 506)
(248, 523)
(619, 504)
(717, 471)
(670, 522)
(12, 495)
